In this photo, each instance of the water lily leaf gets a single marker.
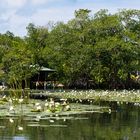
(2, 127)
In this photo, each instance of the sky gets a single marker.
(15, 15)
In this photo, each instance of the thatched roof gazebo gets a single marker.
(41, 77)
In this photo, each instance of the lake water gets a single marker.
(121, 124)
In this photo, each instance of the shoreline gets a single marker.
(90, 96)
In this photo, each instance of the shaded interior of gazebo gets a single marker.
(41, 79)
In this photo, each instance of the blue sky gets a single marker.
(15, 15)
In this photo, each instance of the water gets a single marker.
(121, 124)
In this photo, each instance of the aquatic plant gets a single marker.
(93, 96)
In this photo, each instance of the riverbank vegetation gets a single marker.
(100, 50)
(92, 96)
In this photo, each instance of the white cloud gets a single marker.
(17, 24)
(10, 19)
(15, 3)
(18, 21)
(7, 15)
(14, 23)
(39, 2)
(36, 2)
(43, 16)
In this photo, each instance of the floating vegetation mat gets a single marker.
(91, 96)
(36, 109)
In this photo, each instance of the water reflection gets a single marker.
(123, 124)
(20, 138)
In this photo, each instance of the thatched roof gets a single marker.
(47, 69)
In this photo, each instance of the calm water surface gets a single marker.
(123, 124)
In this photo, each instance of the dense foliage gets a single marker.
(89, 51)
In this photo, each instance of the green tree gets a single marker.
(36, 40)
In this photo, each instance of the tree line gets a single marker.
(89, 51)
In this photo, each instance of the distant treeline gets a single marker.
(89, 51)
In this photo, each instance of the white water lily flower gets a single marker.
(67, 107)
(62, 99)
(80, 100)
(11, 108)
(4, 97)
(57, 104)
(38, 117)
(46, 104)
(20, 128)
(52, 121)
(38, 107)
(36, 104)
(11, 120)
(20, 100)
(109, 111)
(118, 102)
